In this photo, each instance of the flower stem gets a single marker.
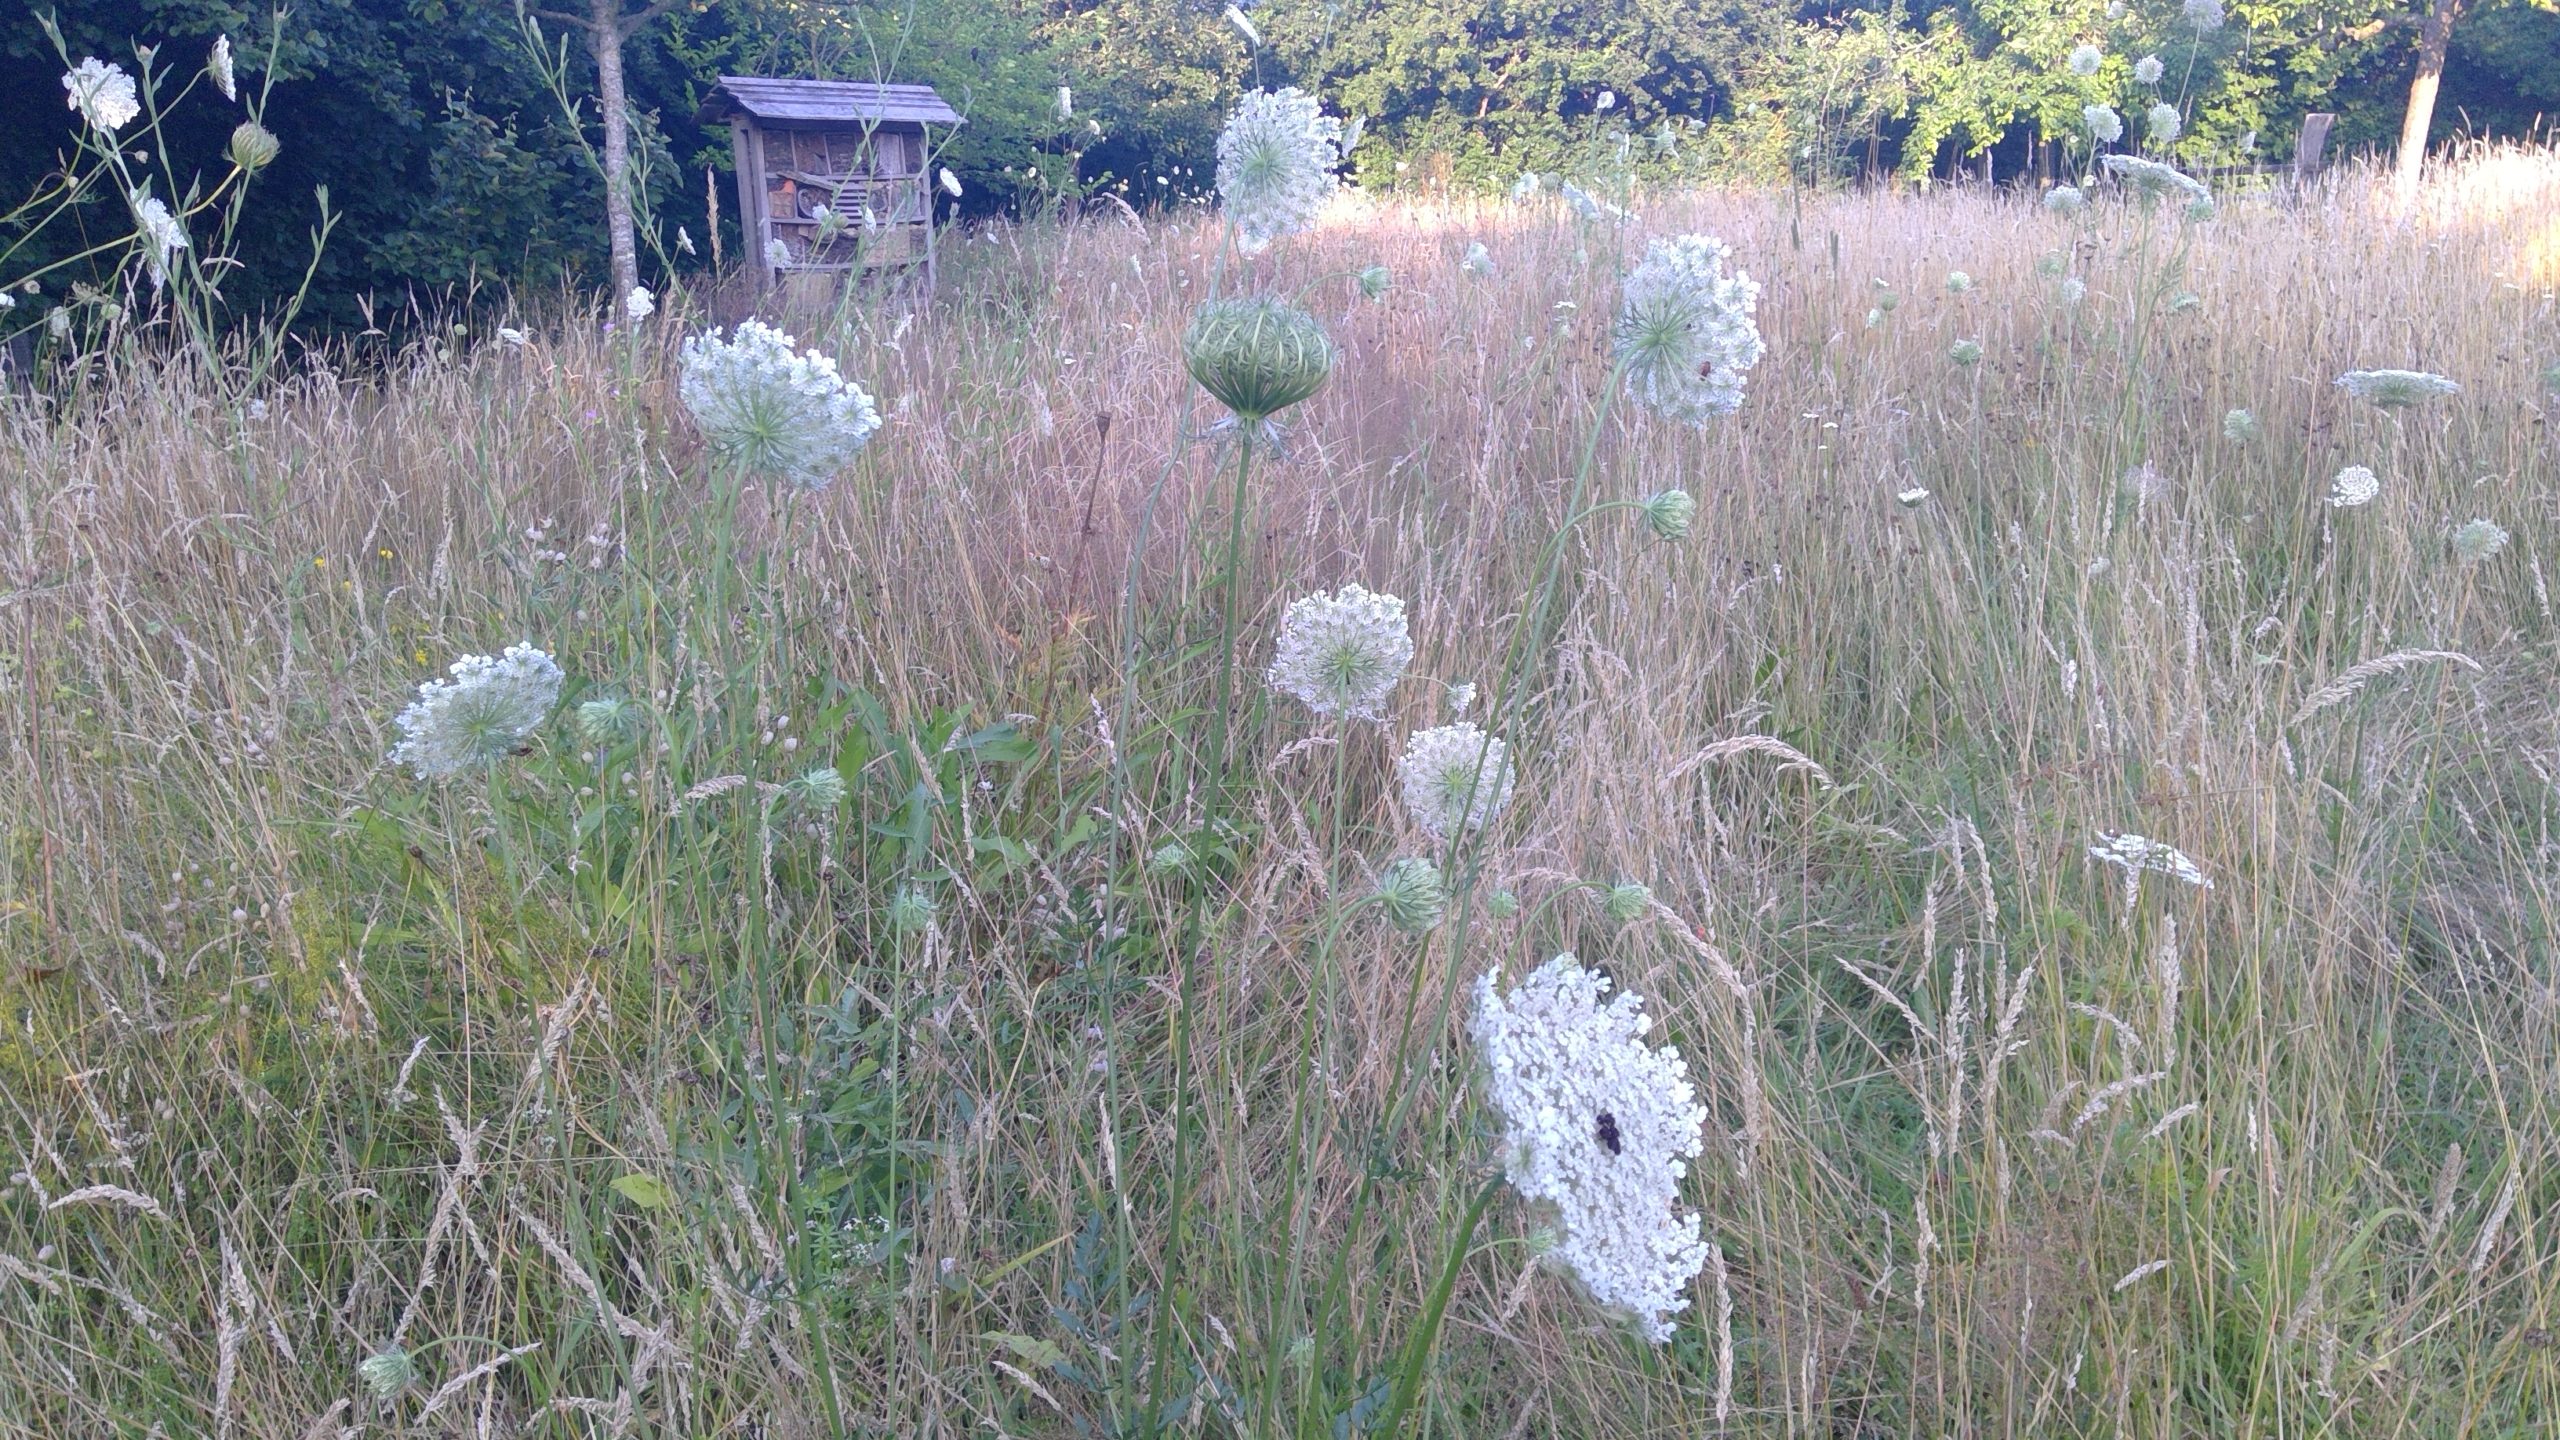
(1417, 1353)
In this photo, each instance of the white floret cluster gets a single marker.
(2135, 854)
(480, 715)
(1341, 652)
(2154, 181)
(1599, 1126)
(2355, 485)
(2396, 389)
(1686, 332)
(771, 409)
(1276, 160)
(1454, 777)
(103, 94)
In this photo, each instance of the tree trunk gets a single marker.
(2422, 96)
(605, 33)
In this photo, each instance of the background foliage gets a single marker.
(457, 167)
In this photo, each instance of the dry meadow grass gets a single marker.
(614, 1097)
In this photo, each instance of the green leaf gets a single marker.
(1043, 1353)
(645, 1190)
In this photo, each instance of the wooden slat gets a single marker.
(777, 101)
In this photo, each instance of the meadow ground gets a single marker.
(649, 1088)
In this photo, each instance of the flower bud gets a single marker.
(253, 146)
(1412, 895)
(1670, 514)
(1258, 357)
(1627, 901)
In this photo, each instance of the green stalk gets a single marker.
(1417, 1353)
(1195, 938)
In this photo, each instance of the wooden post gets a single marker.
(2307, 148)
(746, 147)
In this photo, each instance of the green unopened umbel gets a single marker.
(1258, 357)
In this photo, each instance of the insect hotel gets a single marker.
(831, 173)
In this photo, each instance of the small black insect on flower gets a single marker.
(1609, 1133)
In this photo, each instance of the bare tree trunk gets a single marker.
(2422, 96)
(605, 33)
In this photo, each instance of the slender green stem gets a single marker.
(1417, 1354)
(1195, 941)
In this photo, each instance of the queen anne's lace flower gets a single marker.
(473, 720)
(2065, 200)
(1685, 330)
(2204, 15)
(103, 94)
(218, 65)
(1670, 513)
(1455, 777)
(2104, 123)
(773, 411)
(1275, 164)
(2394, 389)
(2164, 122)
(2239, 426)
(2354, 486)
(2154, 181)
(1412, 895)
(639, 304)
(2479, 540)
(2134, 855)
(2146, 71)
(1342, 652)
(1600, 1126)
(2084, 60)
(1479, 260)
(161, 233)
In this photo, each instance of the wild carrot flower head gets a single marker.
(1275, 164)
(2146, 71)
(2134, 855)
(1455, 777)
(388, 1373)
(218, 65)
(253, 146)
(2065, 200)
(2396, 389)
(1600, 1127)
(639, 304)
(2084, 60)
(1376, 281)
(1257, 356)
(1670, 513)
(1412, 895)
(2073, 290)
(2154, 181)
(607, 720)
(2239, 426)
(1967, 353)
(1958, 282)
(1342, 652)
(1685, 330)
(1479, 260)
(772, 411)
(162, 234)
(2355, 485)
(2105, 125)
(103, 94)
(2479, 540)
(2204, 15)
(2164, 122)
(474, 719)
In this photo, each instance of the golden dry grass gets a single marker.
(1997, 1150)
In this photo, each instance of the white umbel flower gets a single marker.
(2396, 389)
(2204, 15)
(1479, 260)
(474, 719)
(2134, 854)
(218, 65)
(1342, 652)
(773, 411)
(1599, 1126)
(103, 94)
(2065, 200)
(2354, 486)
(2105, 125)
(1455, 777)
(2084, 60)
(2239, 426)
(161, 232)
(2164, 122)
(2154, 181)
(1275, 164)
(1685, 330)
(2146, 71)
(2479, 540)
(639, 304)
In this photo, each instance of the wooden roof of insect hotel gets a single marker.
(826, 102)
